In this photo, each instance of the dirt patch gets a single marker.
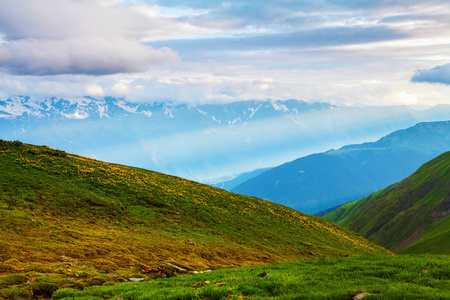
(411, 240)
(441, 210)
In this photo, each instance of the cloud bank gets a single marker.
(75, 37)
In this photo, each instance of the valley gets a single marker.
(208, 143)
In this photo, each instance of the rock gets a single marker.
(360, 295)
(135, 279)
(177, 267)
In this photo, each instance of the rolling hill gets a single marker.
(320, 181)
(407, 217)
(56, 208)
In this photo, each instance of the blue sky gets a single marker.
(343, 52)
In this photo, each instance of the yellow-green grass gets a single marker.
(78, 218)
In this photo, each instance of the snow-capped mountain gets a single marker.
(205, 142)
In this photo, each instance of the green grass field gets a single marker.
(381, 277)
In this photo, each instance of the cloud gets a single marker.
(438, 74)
(77, 37)
(83, 55)
(199, 49)
(204, 51)
(120, 88)
(244, 13)
(95, 90)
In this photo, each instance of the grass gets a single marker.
(382, 277)
(77, 222)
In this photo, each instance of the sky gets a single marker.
(345, 52)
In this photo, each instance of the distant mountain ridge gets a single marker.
(411, 216)
(320, 181)
(230, 184)
(88, 107)
(207, 143)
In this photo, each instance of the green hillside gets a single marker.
(407, 217)
(77, 218)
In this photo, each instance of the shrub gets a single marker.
(15, 293)
(13, 279)
(17, 143)
(45, 289)
(64, 293)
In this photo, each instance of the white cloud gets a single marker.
(79, 37)
(120, 89)
(84, 55)
(95, 90)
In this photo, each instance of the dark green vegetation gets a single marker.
(400, 277)
(70, 221)
(320, 181)
(408, 217)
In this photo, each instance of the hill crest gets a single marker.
(54, 204)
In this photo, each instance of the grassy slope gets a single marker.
(410, 216)
(70, 215)
(399, 277)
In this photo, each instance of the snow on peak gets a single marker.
(123, 105)
(254, 110)
(278, 106)
(79, 115)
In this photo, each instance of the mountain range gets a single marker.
(321, 181)
(207, 143)
(411, 216)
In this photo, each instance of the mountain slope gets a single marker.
(55, 205)
(320, 181)
(409, 217)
